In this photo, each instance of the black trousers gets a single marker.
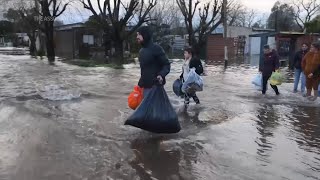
(265, 79)
(194, 96)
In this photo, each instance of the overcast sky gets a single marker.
(263, 6)
(77, 13)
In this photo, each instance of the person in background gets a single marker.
(269, 64)
(298, 73)
(154, 64)
(191, 61)
(311, 68)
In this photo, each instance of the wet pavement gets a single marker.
(65, 122)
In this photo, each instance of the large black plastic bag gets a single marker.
(155, 113)
(177, 85)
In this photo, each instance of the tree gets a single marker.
(6, 27)
(261, 22)
(258, 24)
(210, 18)
(110, 13)
(25, 20)
(236, 13)
(163, 17)
(282, 17)
(58, 23)
(314, 25)
(101, 24)
(305, 10)
(240, 16)
(49, 11)
(165, 12)
(250, 17)
(13, 16)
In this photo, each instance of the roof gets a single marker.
(218, 30)
(292, 33)
(271, 34)
(69, 26)
(263, 29)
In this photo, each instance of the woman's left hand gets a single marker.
(160, 79)
(310, 75)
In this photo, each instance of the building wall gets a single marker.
(254, 44)
(1, 41)
(179, 43)
(272, 42)
(215, 48)
(64, 41)
(234, 31)
(306, 39)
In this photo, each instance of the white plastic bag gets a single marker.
(257, 82)
(193, 83)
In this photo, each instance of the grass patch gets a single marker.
(114, 66)
(90, 63)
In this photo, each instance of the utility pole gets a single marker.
(276, 21)
(225, 33)
(39, 34)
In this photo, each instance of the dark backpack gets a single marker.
(196, 63)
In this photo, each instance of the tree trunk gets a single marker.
(32, 48)
(50, 41)
(196, 49)
(118, 55)
(107, 44)
(190, 33)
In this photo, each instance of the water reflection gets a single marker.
(266, 124)
(190, 116)
(218, 139)
(306, 123)
(154, 160)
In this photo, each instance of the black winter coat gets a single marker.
(153, 61)
(270, 63)
(298, 59)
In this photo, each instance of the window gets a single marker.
(88, 39)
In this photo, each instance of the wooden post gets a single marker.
(225, 34)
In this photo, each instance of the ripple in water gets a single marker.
(58, 93)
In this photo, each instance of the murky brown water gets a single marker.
(66, 122)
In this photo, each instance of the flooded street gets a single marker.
(65, 122)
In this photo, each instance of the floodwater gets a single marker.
(65, 122)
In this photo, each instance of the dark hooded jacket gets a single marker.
(153, 61)
(270, 63)
(298, 58)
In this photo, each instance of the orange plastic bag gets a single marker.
(135, 97)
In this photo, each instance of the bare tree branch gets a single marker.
(120, 16)
(63, 9)
(50, 2)
(142, 19)
(210, 18)
(89, 7)
(100, 8)
(305, 11)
